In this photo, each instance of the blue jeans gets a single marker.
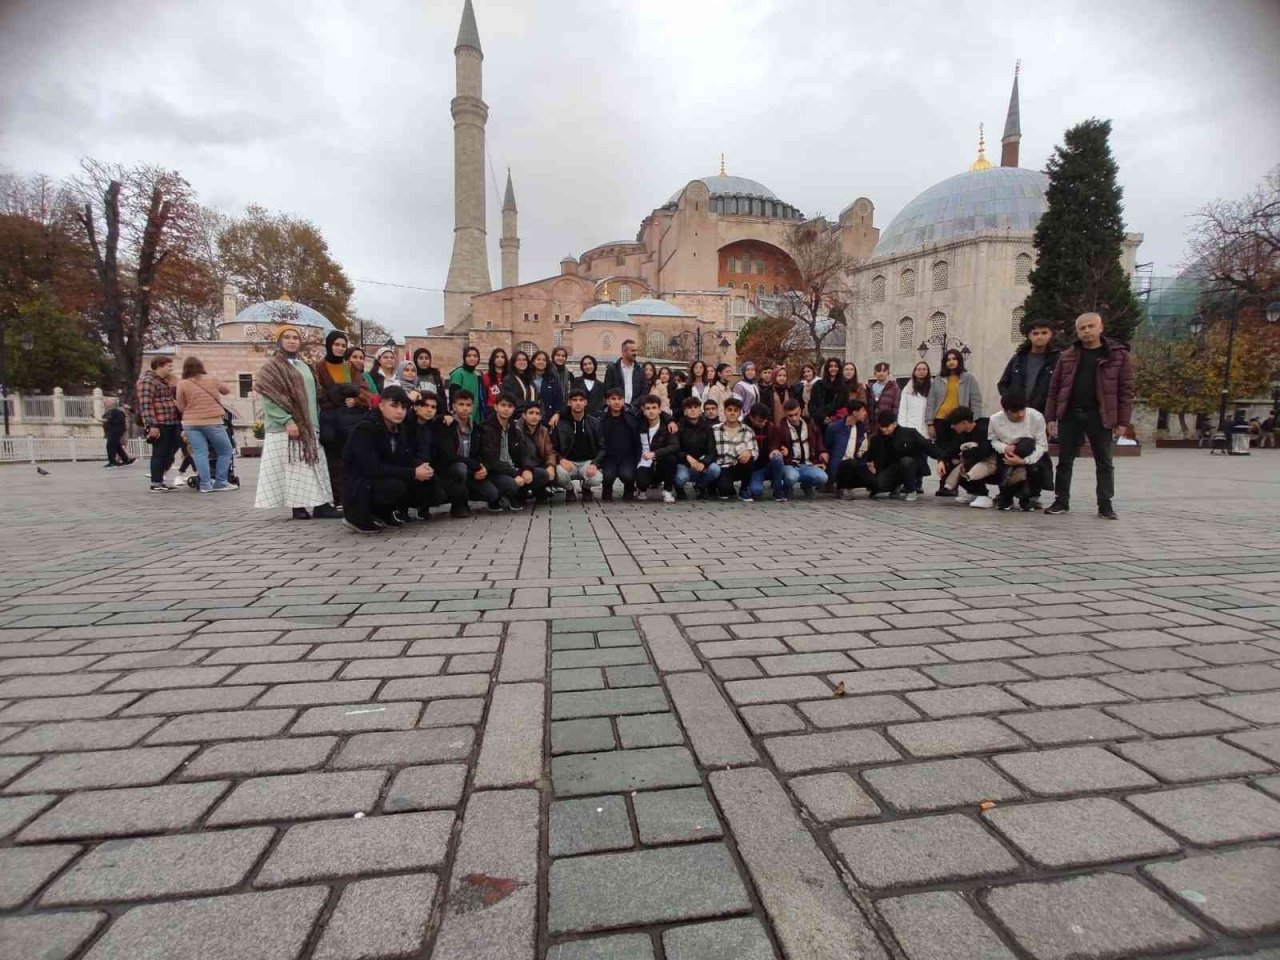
(805, 474)
(700, 480)
(201, 439)
(758, 477)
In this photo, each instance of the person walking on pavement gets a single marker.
(1090, 398)
(114, 427)
(158, 407)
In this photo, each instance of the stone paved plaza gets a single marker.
(701, 731)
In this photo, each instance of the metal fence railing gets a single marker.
(37, 408)
(78, 408)
(45, 449)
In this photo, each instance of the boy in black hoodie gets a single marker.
(696, 452)
(970, 459)
(897, 456)
(658, 449)
(620, 445)
(378, 469)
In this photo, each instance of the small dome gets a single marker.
(968, 204)
(649, 307)
(284, 311)
(604, 313)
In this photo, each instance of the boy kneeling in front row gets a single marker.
(1019, 438)
(378, 469)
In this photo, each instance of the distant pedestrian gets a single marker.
(199, 397)
(158, 407)
(114, 427)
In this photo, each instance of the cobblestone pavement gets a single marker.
(618, 732)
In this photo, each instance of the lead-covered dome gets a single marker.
(284, 310)
(650, 307)
(603, 312)
(968, 204)
(741, 196)
(723, 185)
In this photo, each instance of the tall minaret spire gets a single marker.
(510, 242)
(1012, 125)
(469, 265)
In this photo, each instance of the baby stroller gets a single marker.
(193, 481)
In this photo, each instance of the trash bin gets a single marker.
(1240, 440)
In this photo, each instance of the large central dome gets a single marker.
(968, 204)
(726, 186)
(740, 196)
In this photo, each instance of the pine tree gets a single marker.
(1078, 240)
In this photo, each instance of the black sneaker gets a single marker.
(1004, 503)
(944, 492)
(390, 520)
(299, 513)
(1057, 507)
(1026, 506)
(808, 492)
(460, 512)
(587, 495)
(606, 496)
(360, 527)
(162, 488)
(495, 507)
(404, 516)
(506, 506)
(571, 497)
(327, 511)
(1106, 513)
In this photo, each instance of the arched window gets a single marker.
(746, 288)
(877, 337)
(557, 339)
(941, 275)
(906, 333)
(877, 289)
(528, 346)
(1015, 324)
(1022, 269)
(624, 293)
(655, 343)
(938, 327)
(731, 285)
(907, 283)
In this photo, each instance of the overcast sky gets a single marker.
(338, 110)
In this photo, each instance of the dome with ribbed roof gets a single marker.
(650, 307)
(741, 196)
(997, 200)
(604, 313)
(284, 310)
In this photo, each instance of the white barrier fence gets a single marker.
(44, 449)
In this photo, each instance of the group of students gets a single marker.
(383, 448)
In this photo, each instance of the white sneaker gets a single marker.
(668, 496)
(982, 503)
(911, 496)
(964, 498)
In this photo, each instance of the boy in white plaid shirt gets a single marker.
(736, 452)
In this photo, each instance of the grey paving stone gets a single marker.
(152, 867)
(582, 736)
(1072, 833)
(1155, 658)
(857, 711)
(840, 748)
(675, 816)
(880, 681)
(129, 812)
(1191, 758)
(356, 717)
(957, 702)
(938, 738)
(349, 848)
(48, 936)
(622, 770)
(940, 784)
(300, 796)
(607, 703)
(193, 699)
(979, 671)
(1238, 891)
(919, 851)
(1243, 678)
(1265, 743)
(742, 938)
(65, 708)
(384, 917)
(805, 663)
(1176, 718)
(1065, 665)
(589, 826)
(1254, 707)
(284, 672)
(400, 747)
(1072, 691)
(648, 886)
(585, 678)
(717, 735)
(1072, 725)
(80, 735)
(637, 675)
(1102, 915)
(229, 725)
(748, 647)
(332, 691)
(771, 718)
(246, 758)
(170, 677)
(649, 730)
(879, 657)
(597, 657)
(1225, 653)
(776, 689)
(267, 926)
(15, 811)
(940, 926)
(623, 946)
(1159, 685)
(102, 768)
(493, 888)
(511, 750)
(24, 870)
(1212, 814)
(833, 796)
(1072, 770)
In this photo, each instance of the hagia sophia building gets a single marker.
(950, 269)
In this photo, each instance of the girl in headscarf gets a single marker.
(332, 373)
(746, 389)
(429, 379)
(467, 377)
(406, 378)
(496, 376)
(292, 472)
(384, 366)
(559, 359)
(587, 381)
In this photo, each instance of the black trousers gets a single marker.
(617, 468)
(367, 499)
(739, 473)
(333, 460)
(904, 472)
(116, 452)
(164, 449)
(852, 474)
(459, 487)
(656, 472)
(1074, 429)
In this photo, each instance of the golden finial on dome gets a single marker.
(284, 295)
(982, 163)
(722, 165)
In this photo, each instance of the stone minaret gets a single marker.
(510, 242)
(469, 265)
(1012, 126)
